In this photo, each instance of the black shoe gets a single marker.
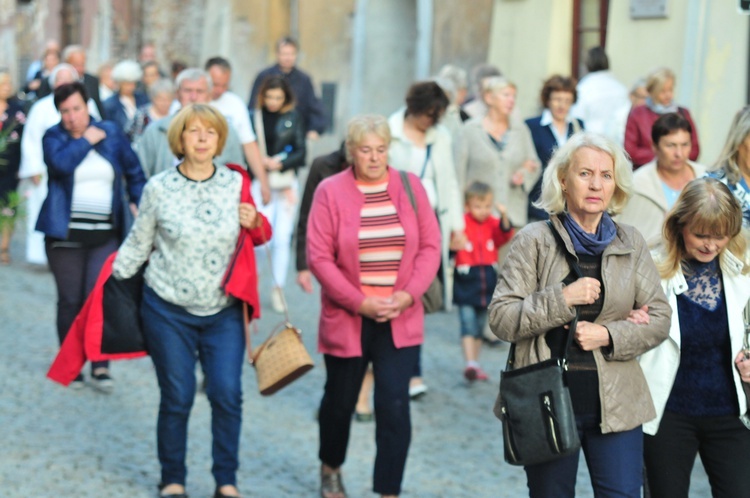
(103, 382)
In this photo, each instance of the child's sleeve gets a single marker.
(499, 236)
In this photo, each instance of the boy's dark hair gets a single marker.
(477, 190)
(668, 124)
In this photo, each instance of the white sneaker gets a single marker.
(417, 391)
(277, 300)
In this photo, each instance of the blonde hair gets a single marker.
(206, 114)
(552, 199)
(730, 154)
(705, 206)
(495, 83)
(361, 126)
(657, 78)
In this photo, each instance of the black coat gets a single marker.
(288, 134)
(322, 167)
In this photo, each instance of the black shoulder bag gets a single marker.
(534, 402)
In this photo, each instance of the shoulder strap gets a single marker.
(426, 160)
(407, 186)
(572, 325)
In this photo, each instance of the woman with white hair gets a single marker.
(161, 93)
(121, 107)
(622, 312)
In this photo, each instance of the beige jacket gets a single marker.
(479, 159)
(528, 301)
(647, 208)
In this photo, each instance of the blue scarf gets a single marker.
(587, 243)
(660, 108)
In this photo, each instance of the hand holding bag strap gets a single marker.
(571, 327)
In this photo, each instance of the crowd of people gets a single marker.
(454, 188)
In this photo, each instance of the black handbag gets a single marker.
(534, 403)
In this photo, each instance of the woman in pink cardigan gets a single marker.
(374, 257)
(638, 144)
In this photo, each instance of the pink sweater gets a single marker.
(333, 257)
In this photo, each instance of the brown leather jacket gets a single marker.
(528, 301)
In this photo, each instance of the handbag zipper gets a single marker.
(507, 434)
(551, 422)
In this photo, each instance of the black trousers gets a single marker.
(723, 444)
(392, 369)
(75, 270)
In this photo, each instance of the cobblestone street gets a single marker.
(61, 443)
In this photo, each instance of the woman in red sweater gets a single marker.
(660, 86)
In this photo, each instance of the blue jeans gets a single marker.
(175, 340)
(615, 462)
(473, 319)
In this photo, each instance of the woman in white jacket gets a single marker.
(699, 376)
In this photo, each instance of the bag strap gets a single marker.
(426, 160)
(572, 325)
(407, 186)
(245, 197)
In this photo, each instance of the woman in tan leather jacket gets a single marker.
(623, 313)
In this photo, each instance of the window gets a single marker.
(589, 30)
(71, 22)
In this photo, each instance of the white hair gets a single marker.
(127, 71)
(63, 66)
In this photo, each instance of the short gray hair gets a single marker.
(447, 86)
(456, 75)
(162, 85)
(72, 49)
(63, 66)
(193, 74)
(552, 199)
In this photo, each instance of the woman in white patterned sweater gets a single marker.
(187, 228)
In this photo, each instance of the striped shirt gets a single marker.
(381, 241)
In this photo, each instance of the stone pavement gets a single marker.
(59, 443)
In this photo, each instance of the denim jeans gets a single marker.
(615, 463)
(391, 368)
(175, 340)
(473, 319)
